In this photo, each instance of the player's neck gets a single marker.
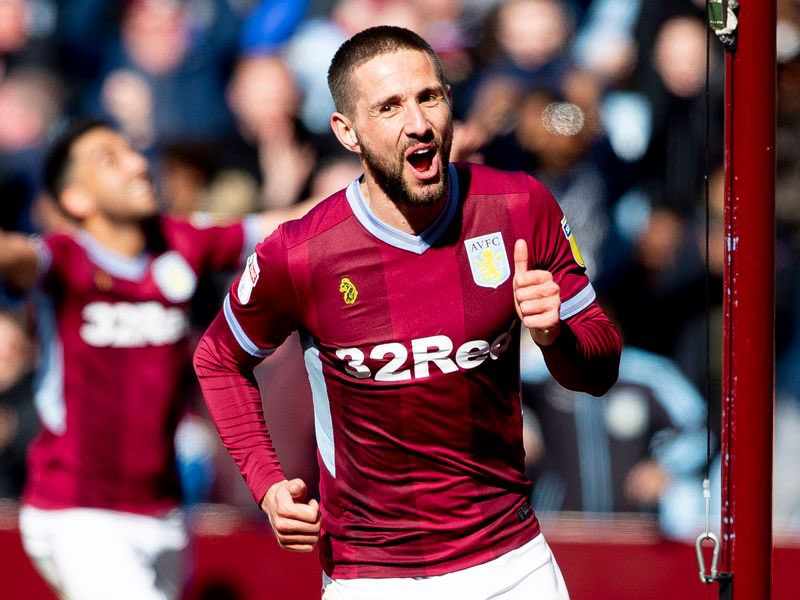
(404, 217)
(125, 238)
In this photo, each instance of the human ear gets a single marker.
(344, 132)
(76, 202)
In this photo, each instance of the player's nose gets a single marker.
(136, 163)
(416, 122)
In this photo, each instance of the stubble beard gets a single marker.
(388, 174)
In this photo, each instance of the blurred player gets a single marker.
(407, 288)
(99, 514)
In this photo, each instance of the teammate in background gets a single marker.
(99, 514)
(408, 288)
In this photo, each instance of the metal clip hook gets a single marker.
(711, 576)
(723, 19)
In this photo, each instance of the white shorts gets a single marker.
(95, 554)
(528, 573)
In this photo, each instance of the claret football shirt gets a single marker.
(411, 344)
(112, 373)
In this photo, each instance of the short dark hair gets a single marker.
(365, 45)
(57, 161)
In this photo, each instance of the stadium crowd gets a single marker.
(604, 101)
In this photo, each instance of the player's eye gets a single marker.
(429, 98)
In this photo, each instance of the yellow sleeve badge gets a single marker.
(576, 252)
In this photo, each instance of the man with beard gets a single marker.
(402, 289)
(99, 515)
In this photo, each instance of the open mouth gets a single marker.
(421, 159)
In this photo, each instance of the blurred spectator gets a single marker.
(620, 452)
(310, 50)
(334, 172)
(524, 47)
(30, 108)
(665, 277)
(552, 140)
(273, 151)
(164, 70)
(702, 365)
(18, 422)
(605, 44)
(675, 159)
(447, 32)
(787, 207)
(788, 129)
(27, 34)
(186, 171)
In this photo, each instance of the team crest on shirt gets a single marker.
(488, 259)
(248, 279)
(348, 290)
(576, 252)
(174, 277)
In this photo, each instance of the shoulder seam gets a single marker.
(282, 228)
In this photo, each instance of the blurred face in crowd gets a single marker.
(106, 177)
(680, 55)
(532, 32)
(263, 91)
(401, 126)
(355, 15)
(13, 27)
(156, 34)
(28, 103)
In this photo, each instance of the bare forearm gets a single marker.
(18, 260)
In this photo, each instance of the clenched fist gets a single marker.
(294, 521)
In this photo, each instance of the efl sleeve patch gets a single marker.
(576, 252)
(248, 279)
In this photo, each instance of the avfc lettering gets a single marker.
(478, 245)
(435, 350)
(132, 325)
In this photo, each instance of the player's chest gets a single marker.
(451, 297)
(112, 308)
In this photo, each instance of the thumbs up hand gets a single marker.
(537, 298)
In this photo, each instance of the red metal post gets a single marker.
(748, 338)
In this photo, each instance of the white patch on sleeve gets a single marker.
(248, 279)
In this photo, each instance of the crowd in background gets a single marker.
(614, 104)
